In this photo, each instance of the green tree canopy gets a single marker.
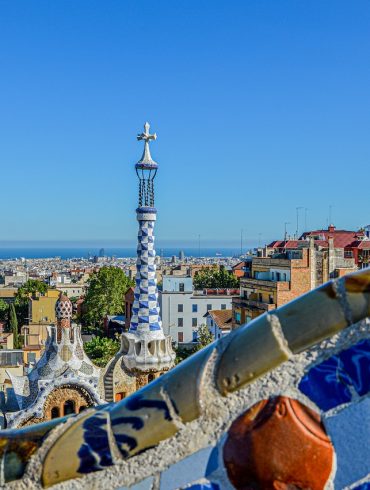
(204, 337)
(4, 309)
(105, 295)
(32, 286)
(215, 278)
(101, 349)
(29, 288)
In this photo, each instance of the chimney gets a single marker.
(331, 228)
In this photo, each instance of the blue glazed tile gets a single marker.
(212, 464)
(327, 384)
(349, 431)
(364, 486)
(203, 486)
(356, 362)
(187, 472)
(94, 454)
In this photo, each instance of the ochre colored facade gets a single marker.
(271, 283)
(42, 307)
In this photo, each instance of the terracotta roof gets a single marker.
(222, 318)
(342, 238)
(362, 244)
(239, 265)
(285, 243)
(63, 298)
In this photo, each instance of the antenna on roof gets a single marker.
(330, 213)
(285, 230)
(297, 230)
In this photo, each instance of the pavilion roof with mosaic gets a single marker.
(63, 365)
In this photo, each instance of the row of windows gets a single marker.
(180, 322)
(280, 276)
(194, 307)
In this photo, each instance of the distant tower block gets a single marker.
(145, 347)
(182, 256)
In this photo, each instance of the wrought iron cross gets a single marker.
(146, 136)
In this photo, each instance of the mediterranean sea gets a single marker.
(86, 252)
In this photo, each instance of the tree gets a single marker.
(214, 278)
(101, 349)
(204, 337)
(29, 288)
(14, 326)
(105, 295)
(4, 309)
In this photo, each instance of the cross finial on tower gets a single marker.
(146, 160)
(146, 136)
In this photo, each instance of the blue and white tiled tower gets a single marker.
(145, 346)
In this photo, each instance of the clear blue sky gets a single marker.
(260, 106)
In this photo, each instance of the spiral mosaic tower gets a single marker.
(147, 347)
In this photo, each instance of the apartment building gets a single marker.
(287, 270)
(183, 310)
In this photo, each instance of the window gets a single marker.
(194, 308)
(181, 287)
(237, 317)
(273, 276)
(180, 322)
(223, 307)
(55, 413)
(194, 322)
(260, 297)
(119, 396)
(209, 307)
(180, 308)
(180, 337)
(31, 357)
(69, 407)
(284, 277)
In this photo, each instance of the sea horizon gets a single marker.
(10, 253)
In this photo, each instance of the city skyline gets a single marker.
(264, 112)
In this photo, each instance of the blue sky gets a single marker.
(260, 106)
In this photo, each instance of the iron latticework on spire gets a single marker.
(146, 169)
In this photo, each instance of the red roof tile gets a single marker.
(222, 318)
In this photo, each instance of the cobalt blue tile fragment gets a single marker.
(94, 453)
(212, 464)
(364, 486)
(356, 362)
(203, 486)
(327, 384)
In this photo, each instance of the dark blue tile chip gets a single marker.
(327, 384)
(212, 464)
(356, 362)
(204, 486)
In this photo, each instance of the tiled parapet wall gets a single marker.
(178, 431)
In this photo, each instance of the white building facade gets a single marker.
(184, 310)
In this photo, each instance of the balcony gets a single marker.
(265, 283)
(252, 304)
(271, 262)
